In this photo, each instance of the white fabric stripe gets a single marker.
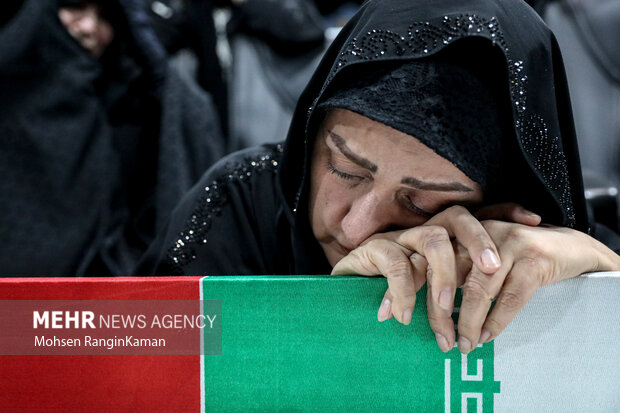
(202, 356)
(465, 396)
(607, 274)
(470, 377)
(560, 353)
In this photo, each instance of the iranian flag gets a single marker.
(294, 343)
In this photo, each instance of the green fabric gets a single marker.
(314, 344)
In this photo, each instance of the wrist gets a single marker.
(604, 259)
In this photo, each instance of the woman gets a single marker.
(91, 116)
(420, 131)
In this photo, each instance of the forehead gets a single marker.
(82, 6)
(389, 148)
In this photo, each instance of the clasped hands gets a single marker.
(499, 254)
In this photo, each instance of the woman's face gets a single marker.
(86, 24)
(368, 178)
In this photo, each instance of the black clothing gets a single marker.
(94, 153)
(275, 46)
(326, 7)
(290, 28)
(191, 26)
(249, 215)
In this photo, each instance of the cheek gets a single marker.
(329, 203)
(105, 33)
(65, 17)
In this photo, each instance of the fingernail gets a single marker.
(485, 336)
(384, 310)
(407, 316)
(442, 342)
(489, 259)
(530, 213)
(445, 298)
(464, 345)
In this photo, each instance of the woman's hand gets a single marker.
(402, 257)
(530, 257)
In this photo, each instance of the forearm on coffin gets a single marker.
(313, 343)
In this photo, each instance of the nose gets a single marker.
(87, 23)
(369, 215)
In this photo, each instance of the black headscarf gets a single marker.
(249, 214)
(94, 153)
(505, 39)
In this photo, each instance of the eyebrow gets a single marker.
(431, 186)
(341, 144)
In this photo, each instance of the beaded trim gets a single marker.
(426, 38)
(538, 145)
(210, 204)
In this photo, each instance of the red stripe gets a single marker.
(96, 383)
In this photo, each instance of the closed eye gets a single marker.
(342, 174)
(416, 209)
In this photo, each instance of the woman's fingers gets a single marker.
(479, 291)
(531, 256)
(443, 275)
(434, 244)
(520, 286)
(384, 257)
(420, 265)
(419, 269)
(510, 212)
(433, 241)
(470, 233)
(387, 254)
(440, 319)
(463, 262)
(385, 309)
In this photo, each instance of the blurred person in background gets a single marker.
(275, 47)
(254, 59)
(98, 137)
(186, 28)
